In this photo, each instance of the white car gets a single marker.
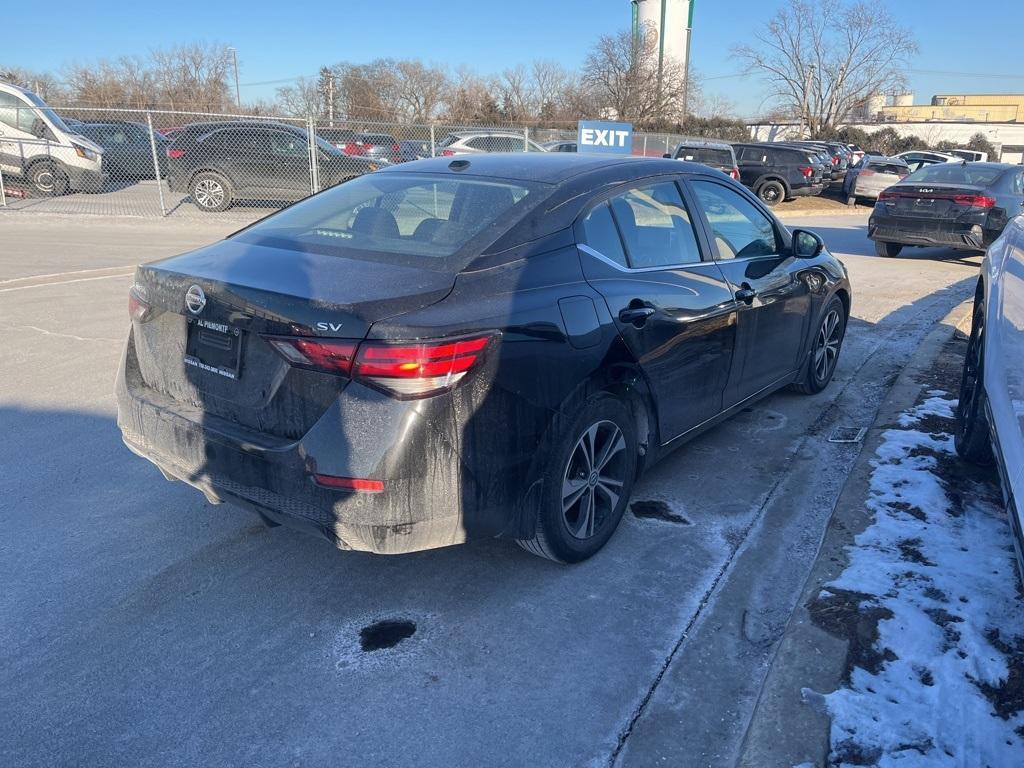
(919, 158)
(990, 414)
(474, 142)
(37, 145)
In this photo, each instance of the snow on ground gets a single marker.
(939, 643)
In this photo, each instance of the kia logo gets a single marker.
(195, 299)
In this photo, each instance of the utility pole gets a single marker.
(238, 96)
(804, 118)
(330, 99)
(686, 66)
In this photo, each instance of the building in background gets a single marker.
(958, 108)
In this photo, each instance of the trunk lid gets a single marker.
(931, 201)
(249, 292)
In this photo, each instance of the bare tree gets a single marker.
(44, 84)
(623, 74)
(418, 90)
(304, 97)
(825, 58)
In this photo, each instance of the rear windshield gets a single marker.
(956, 173)
(336, 134)
(896, 169)
(377, 139)
(706, 155)
(416, 219)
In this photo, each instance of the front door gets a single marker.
(774, 303)
(673, 308)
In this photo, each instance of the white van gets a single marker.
(38, 146)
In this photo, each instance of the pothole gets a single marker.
(385, 634)
(657, 510)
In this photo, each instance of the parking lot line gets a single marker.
(40, 281)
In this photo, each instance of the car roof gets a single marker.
(869, 158)
(546, 168)
(709, 143)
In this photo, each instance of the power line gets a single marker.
(947, 73)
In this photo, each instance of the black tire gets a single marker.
(771, 193)
(972, 434)
(47, 179)
(599, 423)
(889, 250)
(826, 344)
(211, 192)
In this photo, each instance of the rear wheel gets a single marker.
(587, 481)
(828, 341)
(211, 192)
(771, 193)
(971, 437)
(48, 179)
(890, 250)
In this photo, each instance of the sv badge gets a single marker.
(332, 327)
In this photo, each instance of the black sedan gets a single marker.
(953, 205)
(492, 346)
(127, 149)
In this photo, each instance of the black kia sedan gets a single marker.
(491, 346)
(954, 205)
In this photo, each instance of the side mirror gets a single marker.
(667, 155)
(806, 244)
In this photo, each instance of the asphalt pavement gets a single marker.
(141, 626)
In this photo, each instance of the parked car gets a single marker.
(39, 147)
(714, 154)
(342, 138)
(170, 133)
(776, 172)
(559, 145)
(873, 176)
(378, 146)
(856, 154)
(222, 162)
(955, 205)
(990, 415)
(836, 156)
(970, 155)
(359, 366)
(918, 158)
(413, 149)
(475, 142)
(127, 151)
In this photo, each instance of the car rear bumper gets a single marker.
(939, 232)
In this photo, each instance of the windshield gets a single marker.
(956, 173)
(50, 115)
(706, 155)
(416, 219)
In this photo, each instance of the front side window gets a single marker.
(655, 226)
(740, 229)
(288, 144)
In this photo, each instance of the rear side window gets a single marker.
(753, 155)
(740, 229)
(706, 155)
(656, 226)
(599, 233)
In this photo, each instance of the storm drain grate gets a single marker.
(847, 434)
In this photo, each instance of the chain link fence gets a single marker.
(160, 163)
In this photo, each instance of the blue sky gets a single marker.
(278, 40)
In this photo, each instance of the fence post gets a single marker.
(314, 166)
(3, 192)
(156, 164)
(526, 139)
(433, 143)
(645, 145)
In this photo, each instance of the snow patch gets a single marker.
(944, 585)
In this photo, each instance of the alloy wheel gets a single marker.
(593, 479)
(209, 193)
(969, 388)
(826, 351)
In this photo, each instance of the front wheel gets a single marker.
(587, 481)
(828, 341)
(47, 179)
(771, 193)
(971, 436)
(889, 250)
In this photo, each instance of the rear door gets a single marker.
(774, 303)
(672, 306)
(752, 161)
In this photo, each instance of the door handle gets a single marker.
(635, 315)
(746, 294)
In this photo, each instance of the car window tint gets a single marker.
(1018, 183)
(752, 155)
(599, 233)
(655, 226)
(740, 229)
(480, 142)
(956, 173)
(288, 144)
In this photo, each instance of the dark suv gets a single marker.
(776, 173)
(219, 163)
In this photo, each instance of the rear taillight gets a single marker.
(330, 355)
(175, 154)
(139, 309)
(866, 172)
(806, 170)
(395, 148)
(447, 153)
(975, 201)
(887, 195)
(402, 370)
(349, 483)
(355, 148)
(735, 173)
(835, 159)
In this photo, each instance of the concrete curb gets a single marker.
(843, 211)
(784, 730)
